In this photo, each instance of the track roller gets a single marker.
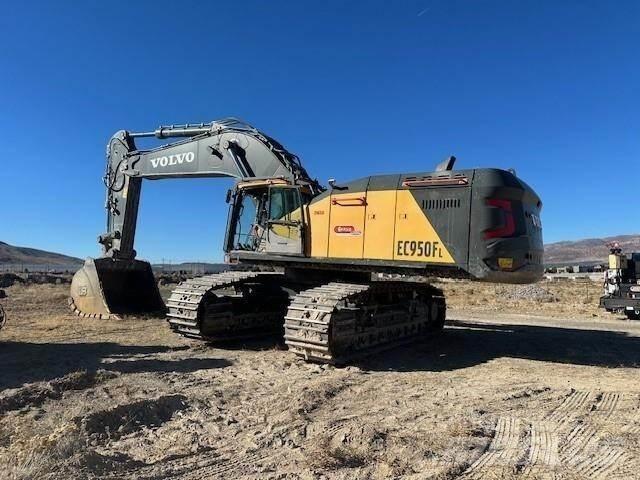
(228, 306)
(337, 322)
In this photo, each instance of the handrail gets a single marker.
(361, 202)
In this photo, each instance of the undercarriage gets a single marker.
(323, 320)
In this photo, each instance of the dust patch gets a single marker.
(36, 394)
(122, 420)
(350, 447)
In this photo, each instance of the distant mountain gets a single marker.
(195, 267)
(590, 250)
(31, 256)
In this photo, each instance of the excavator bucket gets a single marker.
(106, 287)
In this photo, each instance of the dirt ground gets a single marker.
(531, 384)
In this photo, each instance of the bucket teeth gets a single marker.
(101, 316)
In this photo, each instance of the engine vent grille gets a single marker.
(440, 203)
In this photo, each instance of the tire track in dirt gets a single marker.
(607, 404)
(543, 453)
(576, 402)
(601, 464)
(223, 467)
(629, 469)
(568, 438)
(503, 450)
(581, 451)
(543, 456)
(625, 465)
(581, 439)
(632, 427)
(210, 464)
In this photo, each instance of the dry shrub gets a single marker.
(461, 427)
(352, 447)
(37, 456)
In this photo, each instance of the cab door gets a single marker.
(285, 222)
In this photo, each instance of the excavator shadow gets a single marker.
(467, 343)
(272, 341)
(24, 362)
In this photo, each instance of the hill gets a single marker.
(589, 250)
(11, 255)
(193, 267)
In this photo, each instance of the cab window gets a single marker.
(282, 203)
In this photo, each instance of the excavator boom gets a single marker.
(225, 148)
(117, 283)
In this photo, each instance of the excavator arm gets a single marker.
(226, 148)
(117, 282)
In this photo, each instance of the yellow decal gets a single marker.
(415, 238)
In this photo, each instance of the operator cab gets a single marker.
(267, 216)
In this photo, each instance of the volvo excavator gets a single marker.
(343, 270)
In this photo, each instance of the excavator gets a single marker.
(343, 270)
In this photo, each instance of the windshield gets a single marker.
(246, 218)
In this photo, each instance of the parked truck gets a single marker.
(622, 284)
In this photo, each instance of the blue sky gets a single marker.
(551, 89)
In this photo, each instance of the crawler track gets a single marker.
(228, 306)
(330, 323)
(336, 322)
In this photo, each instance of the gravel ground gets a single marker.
(498, 395)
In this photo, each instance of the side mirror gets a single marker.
(228, 196)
